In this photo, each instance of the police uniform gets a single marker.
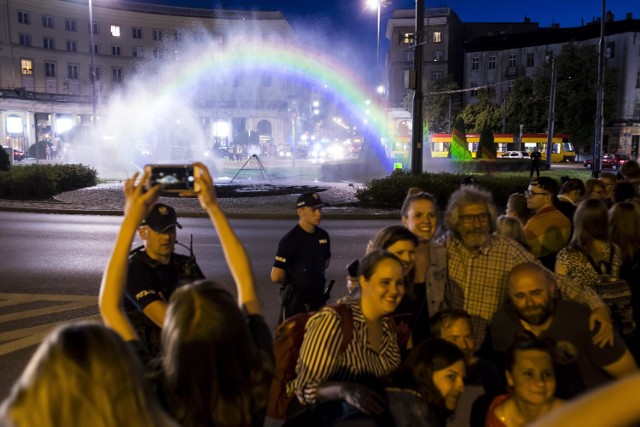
(303, 257)
(149, 280)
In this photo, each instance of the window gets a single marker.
(611, 50)
(24, 17)
(138, 52)
(115, 50)
(474, 90)
(510, 86)
(177, 36)
(96, 28)
(72, 46)
(96, 48)
(408, 56)
(157, 53)
(47, 43)
(116, 74)
(530, 60)
(638, 80)
(475, 63)
(408, 38)
(72, 72)
(158, 35)
(437, 37)
(437, 75)
(548, 56)
(492, 63)
(71, 25)
(136, 33)
(25, 39)
(512, 60)
(26, 66)
(437, 55)
(96, 73)
(49, 69)
(47, 21)
(115, 30)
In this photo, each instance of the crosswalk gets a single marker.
(43, 311)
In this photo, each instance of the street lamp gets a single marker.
(377, 4)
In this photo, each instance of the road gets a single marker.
(51, 265)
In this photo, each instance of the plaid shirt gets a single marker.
(478, 282)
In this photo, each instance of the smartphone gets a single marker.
(172, 178)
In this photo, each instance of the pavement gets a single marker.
(108, 199)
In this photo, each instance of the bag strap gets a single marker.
(346, 318)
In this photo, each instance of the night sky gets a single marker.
(352, 23)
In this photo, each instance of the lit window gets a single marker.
(24, 17)
(115, 50)
(475, 63)
(115, 30)
(47, 21)
(71, 46)
(27, 67)
(437, 37)
(407, 38)
(492, 63)
(71, 25)
(49, 69)
(72, 72)
(136, 33)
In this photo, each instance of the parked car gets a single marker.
(609, 161)
(515, 155)
(18, 155)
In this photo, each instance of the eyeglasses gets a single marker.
(470, 219)
(528, 193)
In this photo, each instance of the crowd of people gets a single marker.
(520, 317)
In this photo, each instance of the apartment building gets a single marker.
(497, 61)
(56, 64)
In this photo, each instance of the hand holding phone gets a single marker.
(177, 179)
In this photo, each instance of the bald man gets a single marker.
(581, 365)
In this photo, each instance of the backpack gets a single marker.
(286, 350)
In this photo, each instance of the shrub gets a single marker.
(5, 161)
(390, 192)
(44, 181)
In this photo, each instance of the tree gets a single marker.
(486, 146)
(459, 148)
(483, 113)
(437, 96)
(527, 107)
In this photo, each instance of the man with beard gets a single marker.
(479, 264)
(580, 364)
(154, 272)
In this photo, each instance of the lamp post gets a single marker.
(377, 4)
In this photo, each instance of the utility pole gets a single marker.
(599, 125)
(418, 96)
(552, 107)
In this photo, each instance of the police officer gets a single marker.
(302, 258)
(154, 272)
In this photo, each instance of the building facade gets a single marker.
(59, 66)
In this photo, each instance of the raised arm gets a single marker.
(234, 252)
(137, 204)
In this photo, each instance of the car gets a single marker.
(18, 155)
(609, 161)
(515, 155)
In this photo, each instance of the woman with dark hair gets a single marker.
(332, 380)
(216, 352)
(531, 379)
(82, 374)
(592, 260)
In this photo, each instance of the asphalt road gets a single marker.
(51, 266)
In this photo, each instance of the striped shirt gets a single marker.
(478, 282)
(322, 359)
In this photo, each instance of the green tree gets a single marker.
(526, 107)
(484, 113)
(438, 94)
(486, 146)
(459, 148)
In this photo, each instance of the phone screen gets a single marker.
(172, 178)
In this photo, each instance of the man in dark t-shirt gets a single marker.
(154, 273)
(580, 364)
(301, 260)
